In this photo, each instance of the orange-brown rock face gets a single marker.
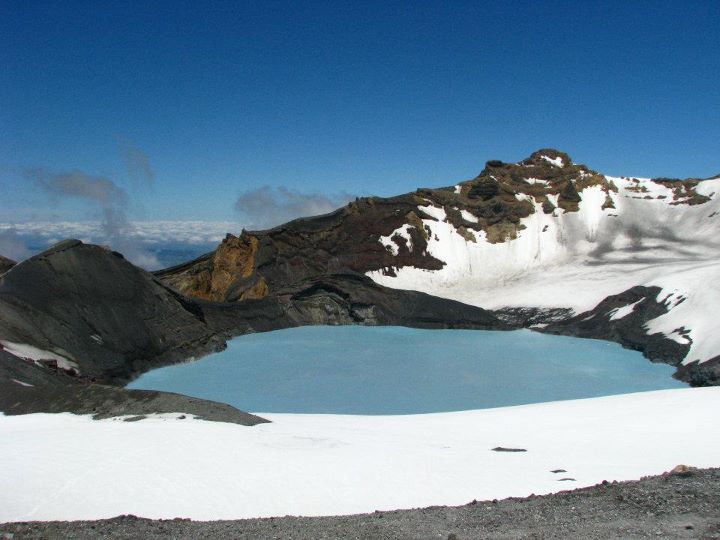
(227, 275)
(234, 259)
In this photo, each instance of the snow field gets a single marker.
(72, 467)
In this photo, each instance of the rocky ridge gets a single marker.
(383, 234)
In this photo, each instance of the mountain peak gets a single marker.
(548, 155)
(545, 159)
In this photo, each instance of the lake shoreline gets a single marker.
(388, 370)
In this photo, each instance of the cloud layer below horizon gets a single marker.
(21, 240)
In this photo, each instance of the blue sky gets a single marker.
(333, 98)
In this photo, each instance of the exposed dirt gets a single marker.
(685, 504)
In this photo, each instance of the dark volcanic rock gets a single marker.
(484, 189)
(27, 388)
(569, 193)
(696, 374)
(93, 307)
(6, 264)
(356, 299)
(526, 317)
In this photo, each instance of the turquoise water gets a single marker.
(394, 370)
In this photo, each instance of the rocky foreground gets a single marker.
(684, 503)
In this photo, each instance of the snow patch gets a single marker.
(434, 211)
(21, 383)
(593, 198)
(708, 187)
(467, 216)
(537, 181)
(558, 161)
(403, 232)
(28, 352)
(622, 312)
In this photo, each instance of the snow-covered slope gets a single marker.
(72, 467)
(636, 232)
